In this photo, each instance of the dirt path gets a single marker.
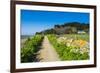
(47, 53)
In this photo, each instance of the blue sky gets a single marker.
(33, 21)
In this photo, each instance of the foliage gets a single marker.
(70, 49)
(31, 46)
(67, 28)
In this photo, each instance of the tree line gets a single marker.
(67, 28)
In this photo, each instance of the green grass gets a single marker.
(64, 51)
(31, 46)
(78, 36)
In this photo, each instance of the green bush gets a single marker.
(31, 46)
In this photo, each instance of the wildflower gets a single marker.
(84, 50)
(74, 50)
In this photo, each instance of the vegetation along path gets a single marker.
(48, 52)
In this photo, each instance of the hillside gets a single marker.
(67, 28)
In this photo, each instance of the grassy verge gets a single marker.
(71, 51)
(30, 47)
